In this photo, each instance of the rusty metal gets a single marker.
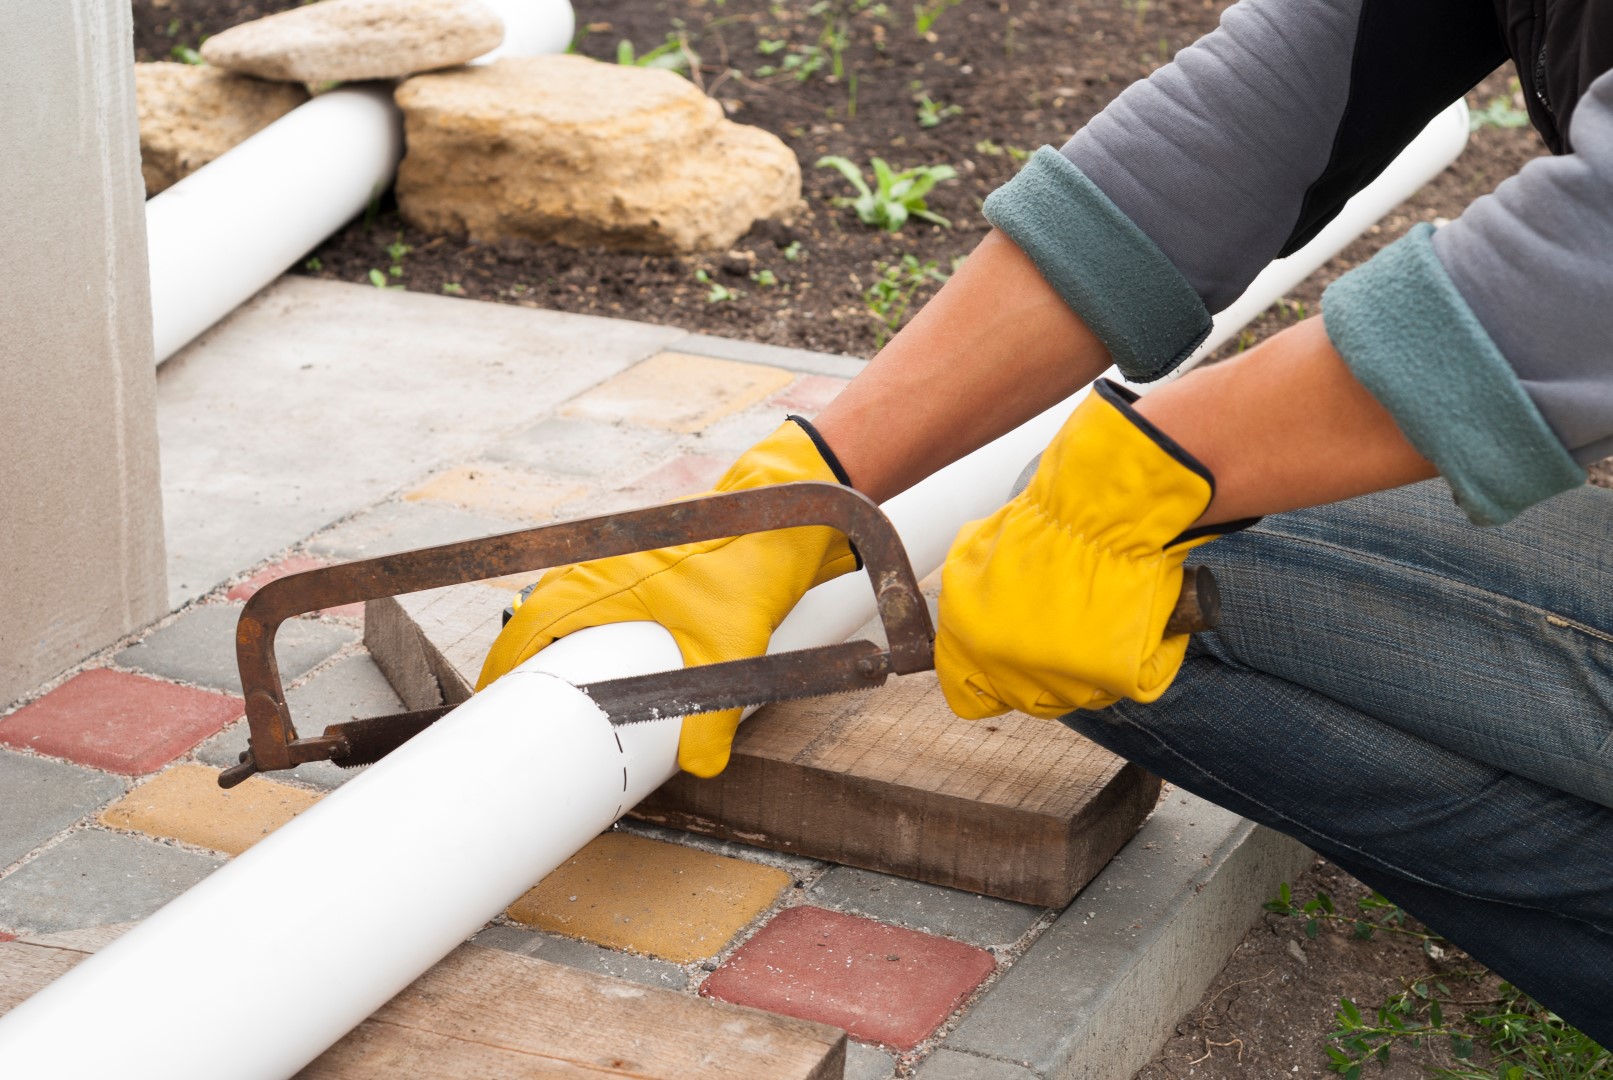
(274, 741)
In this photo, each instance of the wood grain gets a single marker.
(890, 780)
(483, 1014)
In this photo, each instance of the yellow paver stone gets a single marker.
(664, 900)
(499, 490)
(186, 803)
(679, 392)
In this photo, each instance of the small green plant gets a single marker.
(379, 280)
(764, 277)
(1500, 113)
(186, 55)
(792, 253)
(930, 114)
(173, 27)
(674, 54)
(1522, 1040)
(314, 265)
(718, 292)
(895, 196)
(453, 288)
(395, 251)
(991, 149)
(891, 295)
(924, 15)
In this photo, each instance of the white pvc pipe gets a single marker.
(283, 950)
(237, 223)
(351, 901)
(240, 221)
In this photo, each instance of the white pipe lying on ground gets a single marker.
(240, 221)
(351, 901)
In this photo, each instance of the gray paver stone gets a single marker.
(350, 688)
(981, 920)
(798, 865)
(580, 954)
(751, 352)
(93, 878)
(199, 647)
(39, 798)
(573, 446)
(399, 526)
(1099, 992)
(224, 750)
(865, 1062)
(951, 1065)
(739, 432)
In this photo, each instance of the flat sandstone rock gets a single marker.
(345, 40)
(568, 150)
(192, 113)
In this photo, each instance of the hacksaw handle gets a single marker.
(1198, 607)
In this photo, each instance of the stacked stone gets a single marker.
(559, 149)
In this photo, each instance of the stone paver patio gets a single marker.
(326, 421)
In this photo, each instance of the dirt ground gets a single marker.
(1021, 73)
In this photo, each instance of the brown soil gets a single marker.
(1024, 73)
(1268, 1012)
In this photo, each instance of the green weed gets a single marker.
(1500, 113)
(793, 252)
(186, 55)
(379, 280)
(1522, 1040)
(717, 293)
(931, 115)
(924, 15)
(674, 54)
(895, 196)
(453, 288)
(891, 295)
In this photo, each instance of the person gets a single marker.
(1414, 676)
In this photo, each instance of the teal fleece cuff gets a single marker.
(1413, 342)
(1107, 269)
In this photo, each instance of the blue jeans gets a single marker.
(1427, 704)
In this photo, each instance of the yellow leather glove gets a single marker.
(720, 599)
(1059, 600)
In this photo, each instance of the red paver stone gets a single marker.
(7, 937)
(880, 983)
(293, 564)
(809, 394)
(119, 722)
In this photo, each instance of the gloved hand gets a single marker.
(720, 599)
(1059, 600)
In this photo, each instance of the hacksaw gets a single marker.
(274, 742)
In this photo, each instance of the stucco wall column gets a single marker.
(81, 549)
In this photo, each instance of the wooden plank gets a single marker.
(483, 1014)
(891, 780)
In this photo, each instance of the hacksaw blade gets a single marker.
(734, 684)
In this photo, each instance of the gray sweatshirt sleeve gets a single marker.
(1164, 207)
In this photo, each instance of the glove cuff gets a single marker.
(1123, 398)
(824, 451)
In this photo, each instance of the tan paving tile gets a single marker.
(666, 900)
(679, 392)
(186, 803)
(499, 490)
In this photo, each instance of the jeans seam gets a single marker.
(1364, 855)
(1552, 618)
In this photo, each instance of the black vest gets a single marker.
(1560, 47)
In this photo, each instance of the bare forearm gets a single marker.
(1284, 425)
(995, 347)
